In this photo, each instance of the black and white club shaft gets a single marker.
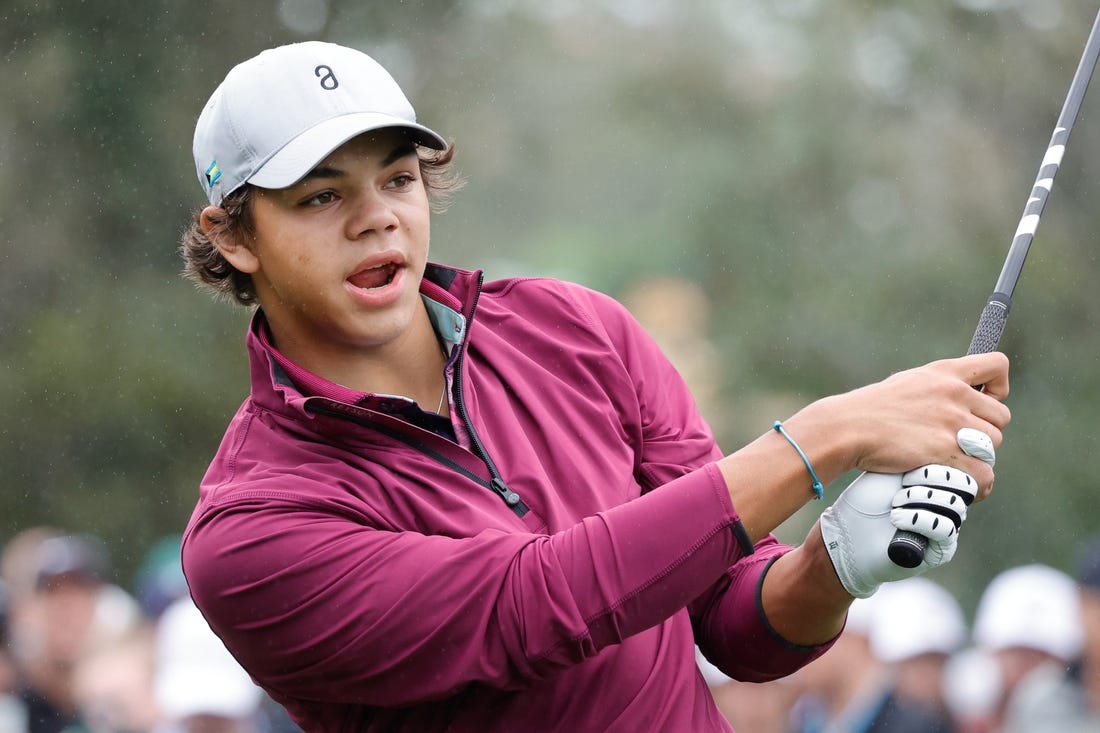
(907, 548)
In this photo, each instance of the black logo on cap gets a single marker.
(327, 77)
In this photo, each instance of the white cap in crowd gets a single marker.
(914, 617)
(972, 684)
(278, 114)
(195, 674)
(1034, 607)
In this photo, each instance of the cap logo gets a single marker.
(327, 77)
(213, 173)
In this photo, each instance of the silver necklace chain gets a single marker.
(439, 408)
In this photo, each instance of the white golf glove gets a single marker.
(930, 501)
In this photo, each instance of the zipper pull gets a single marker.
(510, 497)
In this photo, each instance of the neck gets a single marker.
(411, 366)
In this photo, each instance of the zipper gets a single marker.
(496, 482)
(511, 498)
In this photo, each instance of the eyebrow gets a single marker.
(403, 149)
(323, 171)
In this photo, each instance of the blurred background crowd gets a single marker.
(910, 660)
(82, 653)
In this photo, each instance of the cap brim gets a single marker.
(303, 153)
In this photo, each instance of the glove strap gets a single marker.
(819, 490)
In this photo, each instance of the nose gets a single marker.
(370, 213)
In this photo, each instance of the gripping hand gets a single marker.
(858, 527)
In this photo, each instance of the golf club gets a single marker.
(907, 548)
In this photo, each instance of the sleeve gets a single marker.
(319, 607)
(729, 622)
(674, 437)
(732, 631)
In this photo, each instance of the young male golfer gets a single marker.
(468, 506)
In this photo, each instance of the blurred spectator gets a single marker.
(836, 690)
(19, 569)
(198, 685)
(19, 562)
(1029, 619)
(1088, 574)
(159, 581)
(916, 627)
(113, 688)
(160, 585)
(85, 656)
(1082, 713)
(65, 608)
(749, 706)
(850, 690)
(972, 690)
(13, 713)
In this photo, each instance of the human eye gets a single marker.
(319, 199)
(401, 181)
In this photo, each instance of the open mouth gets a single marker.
(374, 277)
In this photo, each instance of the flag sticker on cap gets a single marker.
(213, 173)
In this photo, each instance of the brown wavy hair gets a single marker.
(204, 265)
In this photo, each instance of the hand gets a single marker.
(858, 527)
(908, 420)
(911, 419)
(977, 412)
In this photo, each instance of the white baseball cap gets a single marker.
(278, 114)
(916, 616)
(195, 673)
(1032, 606)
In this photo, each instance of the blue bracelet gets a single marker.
(817, 487)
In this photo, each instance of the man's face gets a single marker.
(68, 607)
(339, 255)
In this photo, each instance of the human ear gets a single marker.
(232, 248)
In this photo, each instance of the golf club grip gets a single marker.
(907, 548)
(990, 326)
